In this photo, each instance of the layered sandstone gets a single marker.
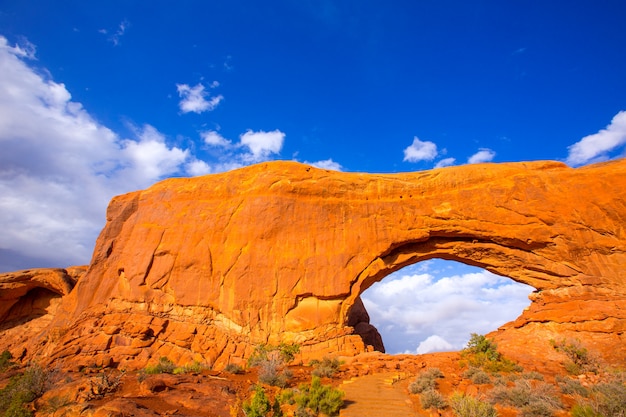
(206, 268)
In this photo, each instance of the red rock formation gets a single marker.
(28, 302)
(206, 268)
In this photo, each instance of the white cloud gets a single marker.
(59, 167)
(262, 144)
(119, 32)
(326, 164)
(410, 308)
(195, 99)
(483, 155)
(434, 343)
(446, 162)
(197, 167)
(595, 147)
(213, 138)
(420, 151)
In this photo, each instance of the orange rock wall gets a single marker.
(206, 268)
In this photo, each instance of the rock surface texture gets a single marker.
(206, 268)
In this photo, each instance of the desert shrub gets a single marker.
(191, 368)
(286, 351)
(580, 360)
(533, 375)
(318, 398)
(468, 406)
(233, 368)
(571, 386)
(271, 361)
(5, 360)
(606, 399)
(432, 399)
(533, 400)
(164, 366)
(327, 367)
(482, 352)
(477, 376)
(103, 384)
(21, 390)
(272, 371)
(426, 380)
(259, 405)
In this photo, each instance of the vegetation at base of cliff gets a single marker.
(325, 368)
(234, 368)
(286, 351)
(580, 360)
(482, 352)
(23, 389)
(468, 406)
(272, 363)
(166, 366)
(314, 398)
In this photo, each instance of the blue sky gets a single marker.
(104, 97)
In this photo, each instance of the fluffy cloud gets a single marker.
(433, 343)
(420, 151)
(446, 162)
(596, 147)
(262, 144)
(326, 164)
(483, 155)
(213, 138)
(195, 99)
(59, 167)
(442, 299)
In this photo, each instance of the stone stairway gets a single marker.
(376, 396)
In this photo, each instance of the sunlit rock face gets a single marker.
(206, 268)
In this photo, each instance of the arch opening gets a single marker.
(435, 305)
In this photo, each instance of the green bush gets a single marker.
(5, 360)
(425, 381)
(191, 368)
(261, 353)
(318, 398)
(325, 368)
(432, 399)
(477, 376)
(233, 368)
(483, 353)
(21, 390)
(259, 405)
(164, 366)
(468, 406)
(580, 360)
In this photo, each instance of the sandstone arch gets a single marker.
(208, 267)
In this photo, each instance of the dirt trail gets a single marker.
(375, 396)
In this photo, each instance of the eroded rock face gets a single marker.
(28, 302)
(206, 268)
